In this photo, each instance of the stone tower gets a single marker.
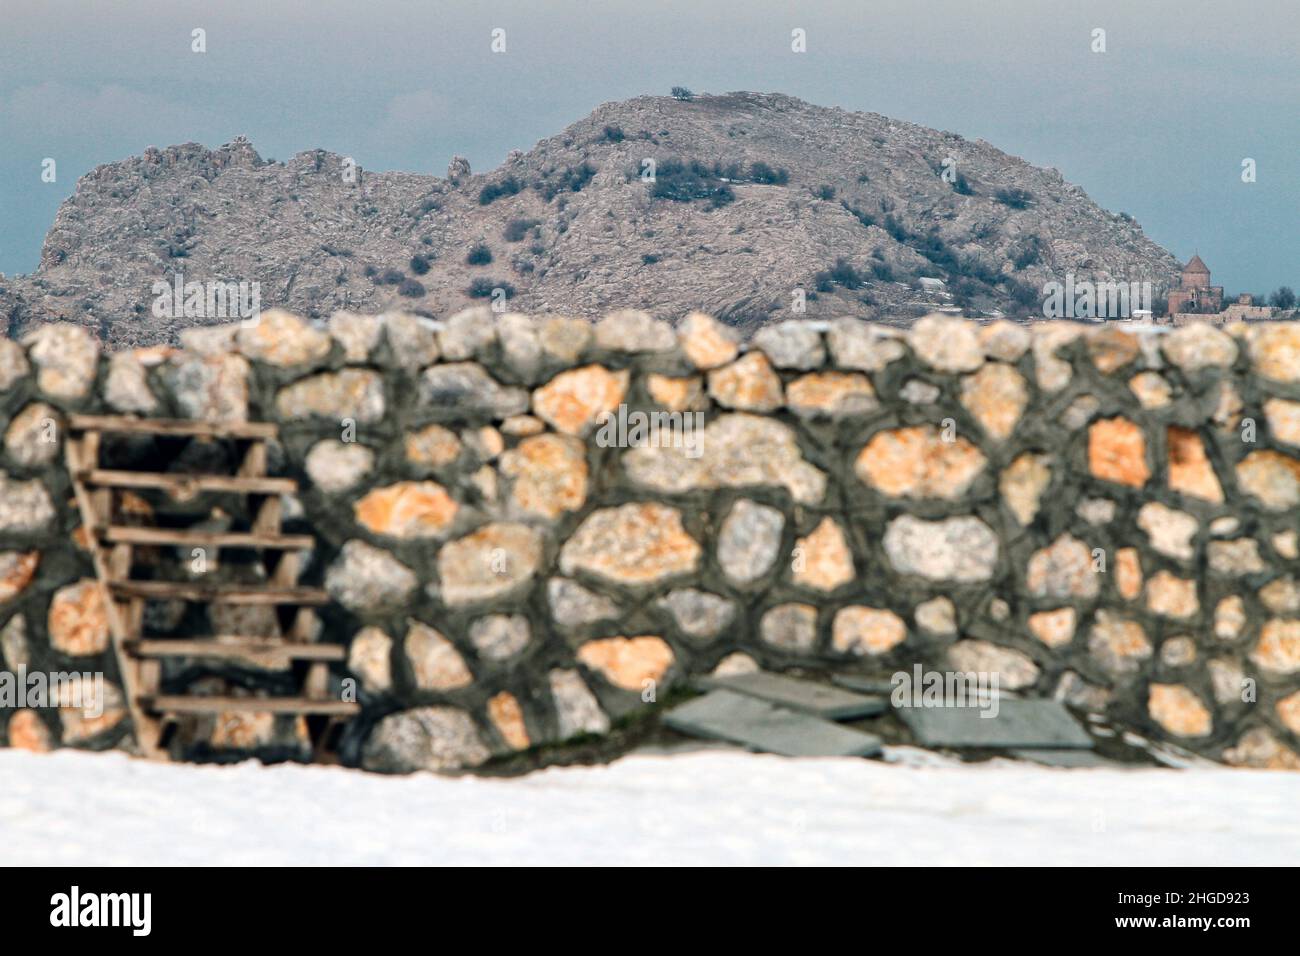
(1194, 292)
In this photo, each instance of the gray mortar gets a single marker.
(862, 512)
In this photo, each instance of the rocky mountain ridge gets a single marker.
(748, 205)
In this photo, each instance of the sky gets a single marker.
(1157, 126)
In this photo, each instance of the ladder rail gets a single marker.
(76, 449)
(111, 546)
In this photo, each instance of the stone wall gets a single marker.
(1105, 514)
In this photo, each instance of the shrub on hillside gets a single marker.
(841, 274)
(494, 191)
(479, 255)
(517, 229)
(571, 180)
(689, 182)
(1027, 252)
(1015, 198)
(483, 288)
(761, 172)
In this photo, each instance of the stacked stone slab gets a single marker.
(1105, 514)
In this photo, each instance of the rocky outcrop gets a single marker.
(756, 205)
(528, 537)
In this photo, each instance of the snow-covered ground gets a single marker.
(692, 808)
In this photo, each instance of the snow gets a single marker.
(707, 807)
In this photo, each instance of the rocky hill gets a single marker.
(754, 197)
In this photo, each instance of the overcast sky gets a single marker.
(1157, 126)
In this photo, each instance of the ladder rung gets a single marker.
(119, 534)
(182, 427)
(180, 704)
(187, 485)
(240, 647)
(218, 593)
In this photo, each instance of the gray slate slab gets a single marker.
(864, 685)
(832, 703)
(760, 725)
(1067, 758)
(1027, 724)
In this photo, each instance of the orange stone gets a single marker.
(1111, 348)
(1128, 573)
(822, 560)
(1022, 484)
(1119, 644)
(1288, 711)
(575, 400)
(706, 341)
(78, 619)
(916, 462)
(1171, 596)
(996, 397)
(242, 730)
(550, 473)
(132, 504)
(677, 394)
(1151, 389)
(866, 630)
(81, 537)
(1283, 420)
(1053, 628)
(88, 709)
(831, 393)
(1178, 710)
(1259, 749)
(1278, 649)
(407, 509)
(1117, 452)
(1275, 350)
(747, 384)
(1190, 471)
(508, 718)
(628, 662)
(17, 568)
(521, 426)
(28, 732)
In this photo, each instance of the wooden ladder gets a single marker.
(99, 493)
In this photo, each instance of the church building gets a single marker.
(1194, 293)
